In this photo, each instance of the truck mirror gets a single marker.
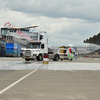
(42, 46)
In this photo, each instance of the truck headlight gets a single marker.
(34, 54)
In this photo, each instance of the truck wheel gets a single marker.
(56, 58)
(40, 58)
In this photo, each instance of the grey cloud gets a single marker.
(83, 9)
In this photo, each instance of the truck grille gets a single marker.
(27, 53)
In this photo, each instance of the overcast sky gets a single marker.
(65, 21)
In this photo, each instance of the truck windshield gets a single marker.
(34, 45)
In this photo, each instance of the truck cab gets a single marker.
(35, 50)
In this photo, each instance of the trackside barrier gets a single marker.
(45, 59)
(13, 49)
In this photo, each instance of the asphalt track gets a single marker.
(63, 80)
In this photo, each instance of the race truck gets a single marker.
(36, 50)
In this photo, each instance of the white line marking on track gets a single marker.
(5, 89)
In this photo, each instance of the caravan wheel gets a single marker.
(71, 59)
(27, 59)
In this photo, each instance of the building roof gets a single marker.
(22, 27)
(93, 40)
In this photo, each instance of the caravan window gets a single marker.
(62, 51)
